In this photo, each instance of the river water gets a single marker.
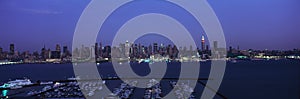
(271, 79)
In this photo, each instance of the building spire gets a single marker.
(202, 43)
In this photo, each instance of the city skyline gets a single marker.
(133, 51)
(54, 47)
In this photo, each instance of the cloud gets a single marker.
(38, 11)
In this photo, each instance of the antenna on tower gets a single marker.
(203, 43)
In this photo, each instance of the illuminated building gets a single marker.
(202, 43)
(127, 49)
(155, 48)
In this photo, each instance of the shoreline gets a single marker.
(172, 61)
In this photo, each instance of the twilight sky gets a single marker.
(257, 24)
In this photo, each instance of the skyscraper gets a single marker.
(202, 43)
(12, 49)
(96, 50)
(215, 45)
(150, 50)
(122, 50)
(58, 48)
(57, 53)
(127, 49)
(155, 48)
(43, 52)
(100, 50)
(207, 48)
(65, 50)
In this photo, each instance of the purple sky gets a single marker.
(257, 24)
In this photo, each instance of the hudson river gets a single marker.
(242, 80)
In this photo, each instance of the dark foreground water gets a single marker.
(243, 80)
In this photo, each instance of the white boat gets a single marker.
(74, 78)
(18, 83)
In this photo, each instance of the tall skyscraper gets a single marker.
(43, 52)
(207, 48)
(122, 49)
(58, 49)
(65, 50)
(150, 50)
(57, 53)
(215, 45)
(169, 50)
(100, 50)
(202, 43)
(127, 49)
(155, 48)
(12, 49)
(96, 50)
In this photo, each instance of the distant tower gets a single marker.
(100, 50)
(12, 49)
(202, 43)
(65, 50)
(58, 49)
(96, 50)
(207, 48)
(230, 49)
(215, 45)
(127, 48)
(43, 52)
(150, 49)
(155, 48)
